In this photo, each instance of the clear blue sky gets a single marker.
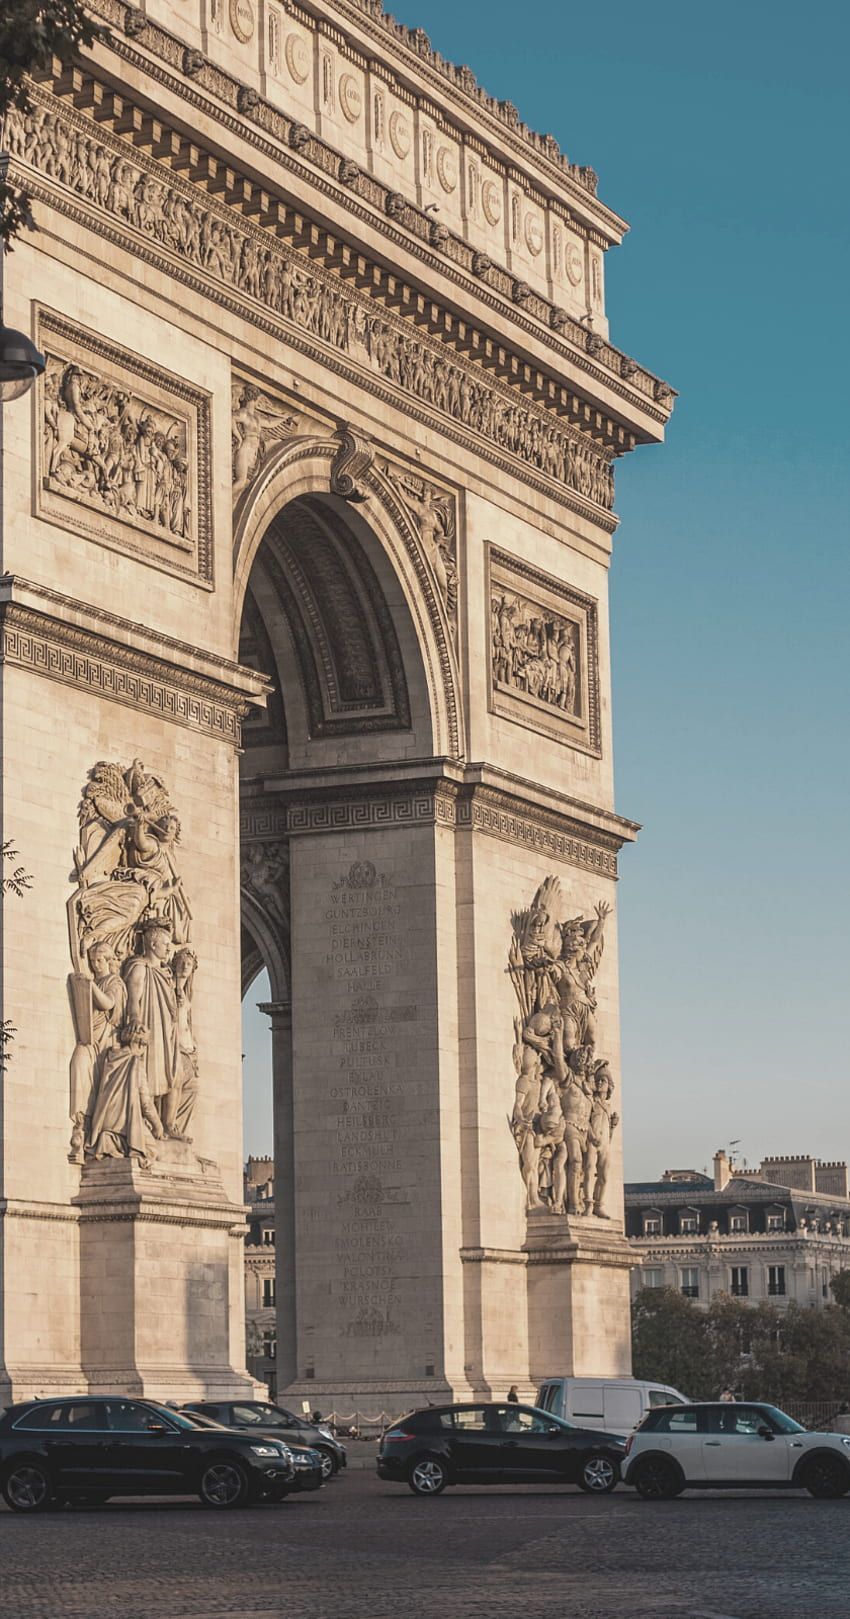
(721, 133)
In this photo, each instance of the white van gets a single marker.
(615, 1404)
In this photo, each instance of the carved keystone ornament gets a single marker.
(562, 1121)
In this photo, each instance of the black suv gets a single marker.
(88, 1449)
(260, 1417)
(497, 1444)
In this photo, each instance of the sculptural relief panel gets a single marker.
(122, 451)
(134, 1067)
(543, 653)
(563, 1119)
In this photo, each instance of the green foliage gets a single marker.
(18, 880)
(32, 32)
(839, 1287)
(764, 1353)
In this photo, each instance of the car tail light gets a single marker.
(629, 1442)
(397, 1433)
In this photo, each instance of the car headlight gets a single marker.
(267, 1450)
(326, 1434)
(845, 1441)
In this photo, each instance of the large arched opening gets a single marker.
(345, 619)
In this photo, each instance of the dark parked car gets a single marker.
(497, 1444)
(260, 1417)
(307, 1463)
(88, 1449)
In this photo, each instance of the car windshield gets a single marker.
(555, 1422)
(176, 1417)
(265, 1416)
(784, 1423)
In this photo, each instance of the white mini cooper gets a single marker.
(732, 1446)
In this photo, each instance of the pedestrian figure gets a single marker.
(513, 1395)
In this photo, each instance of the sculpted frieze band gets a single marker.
(251, 261)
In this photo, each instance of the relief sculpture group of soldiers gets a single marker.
(134, 1068)
(563, 1119)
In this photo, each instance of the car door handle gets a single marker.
(712, 1441)
(509, 1444)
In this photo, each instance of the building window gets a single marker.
(652, 1276)
(269, 1345)
(739, 1222)
(268, 1293)
(776, 1222)
(688, 1224)
(268, 1236)
(652, 1225)
(776, 1279)
(740, 1282)
(690, 1282)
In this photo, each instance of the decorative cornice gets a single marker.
(453, 256)
(492, 1256)
(423, 368)
(445, 801)
(18, 1209)
(501, 815)
(104, 662)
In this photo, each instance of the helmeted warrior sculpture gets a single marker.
(562, 1120)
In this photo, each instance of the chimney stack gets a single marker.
(722, 1171)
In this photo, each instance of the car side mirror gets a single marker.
(766, 1433)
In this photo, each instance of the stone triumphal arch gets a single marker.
(307, 529)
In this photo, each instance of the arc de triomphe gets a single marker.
(306, 540)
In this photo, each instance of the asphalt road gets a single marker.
(361, 1549)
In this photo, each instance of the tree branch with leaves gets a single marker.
(11, 882)
(32, 33)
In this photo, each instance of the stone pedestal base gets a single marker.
(161, 1279)
(578, 1297)
(369, 1399)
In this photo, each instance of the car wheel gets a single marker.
(428, 1476)
(599, 1475)
(224, 1484)
(328, 1462)
(826, 1477)
(657, 1479)
(26, 1487)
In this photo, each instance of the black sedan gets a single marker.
(497, 1444)
(260, 1417)
(309, 1474)
(87, 1449)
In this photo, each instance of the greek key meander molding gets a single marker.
(138, 463)
(554, 455)
(338, 177)
(76, 657)
(477, 810)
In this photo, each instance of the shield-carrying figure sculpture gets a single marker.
(134, 1066)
